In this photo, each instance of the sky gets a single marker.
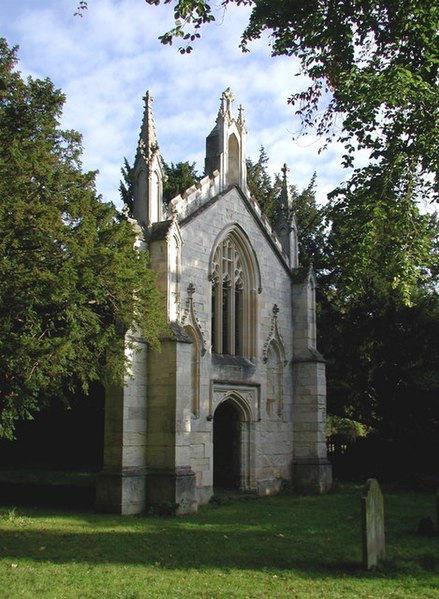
(106, 60)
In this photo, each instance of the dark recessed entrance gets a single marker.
(227, 446)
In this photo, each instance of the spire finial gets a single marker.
(148, 99)
(226, 103)
(241, 115)
(285, 194)
(148, 145)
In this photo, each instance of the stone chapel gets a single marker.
(236, 398)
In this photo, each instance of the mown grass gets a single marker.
(285, 546)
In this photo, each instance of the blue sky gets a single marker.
(105, 61)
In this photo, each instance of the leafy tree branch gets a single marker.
(71, 282)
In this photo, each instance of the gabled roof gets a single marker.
(205, 194)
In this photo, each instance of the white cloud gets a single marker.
(105, 61)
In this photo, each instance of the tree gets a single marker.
(374, 64)
(126, 187)
(71, 283)
(261, 186)
(310, 218)
(373, 67)
(382, 349)
(82, 6)
(179, 177)
(312, 226)
(383, 364)
(379, 239)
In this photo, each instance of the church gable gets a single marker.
(201, 197)
(225, 167)
(236, 397)
(238, 272)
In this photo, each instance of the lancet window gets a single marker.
(174, 274)
(233, 297)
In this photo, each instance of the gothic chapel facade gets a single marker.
(236, 398)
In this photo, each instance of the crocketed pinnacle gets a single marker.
(148, 144)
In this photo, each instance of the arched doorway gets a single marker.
(227, 445)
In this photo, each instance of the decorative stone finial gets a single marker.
(148, 99)
(240, 115)
(191, 291)
(148, 145)
(226, 103)
(285, 199)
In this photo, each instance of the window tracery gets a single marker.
(233, 269)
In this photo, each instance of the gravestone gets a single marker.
(372, 514)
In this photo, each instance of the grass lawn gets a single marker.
(286, 546)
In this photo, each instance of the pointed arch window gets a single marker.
(233, 274)
(174, 273)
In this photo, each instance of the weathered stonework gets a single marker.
(237, 395)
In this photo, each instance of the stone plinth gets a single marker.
(173, 490)
(312, 476)
(121, 491)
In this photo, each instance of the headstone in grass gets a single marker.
(372, 514)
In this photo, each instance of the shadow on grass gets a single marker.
(44, 495)
(316, 537)
(174, 550)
